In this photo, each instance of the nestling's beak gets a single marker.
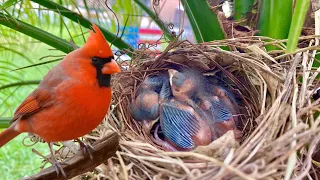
(171, 72)
(110, 68)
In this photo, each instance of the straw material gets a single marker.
(278, 122)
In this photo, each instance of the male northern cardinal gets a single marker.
(72, 99)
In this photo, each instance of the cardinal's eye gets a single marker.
(95, 60)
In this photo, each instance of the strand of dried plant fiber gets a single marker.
(305, 75)
(124, 169)
(293, 156)
(248, 161)
(223, 170)
(155, 159)
(210, 159)
(317, 32)
(253, 139)
(308, 160)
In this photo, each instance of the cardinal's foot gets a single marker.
(56, 164)
(86, 149)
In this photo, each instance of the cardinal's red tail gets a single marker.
(7, 135)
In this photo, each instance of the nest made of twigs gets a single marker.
(279, 126)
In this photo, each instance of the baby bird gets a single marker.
(211, 102)
(226, 122)
(185, 84)
(145, 107)
(182, 126)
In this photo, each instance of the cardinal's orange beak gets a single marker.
(111, 67)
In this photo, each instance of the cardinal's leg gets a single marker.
(55, 163)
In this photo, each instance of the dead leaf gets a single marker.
(272, 84)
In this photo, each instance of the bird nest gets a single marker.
(278, 122)
(278, 119)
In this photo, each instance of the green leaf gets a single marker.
(5, 75)
(298, 18)
(4, 122)
(9, 64)
(16, 52)
(8, 4)
(86, 7)
(275, 19)
(36, 33)
(242, 8)
(77, 18)
(38, 64)
(264, 16)
(203, 21)
(20, 83)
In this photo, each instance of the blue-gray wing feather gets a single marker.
(178, 125)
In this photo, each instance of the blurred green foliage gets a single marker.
(17, 161)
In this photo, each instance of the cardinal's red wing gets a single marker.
(41, 97)
(36, 101)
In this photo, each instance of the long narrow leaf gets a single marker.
(83, 21)
(5, 76)
(203, 21)
(275, 19)
(8, 4)
(38, 64)
(299, 16)
(281, 14)
(264, 15)
(21, 83)
(16, 52)
(4, 122)
(9, 64)
(36, 33)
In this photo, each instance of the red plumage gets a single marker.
(70, 101)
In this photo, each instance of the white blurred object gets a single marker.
(227, 8)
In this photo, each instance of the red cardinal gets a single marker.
(72, 99)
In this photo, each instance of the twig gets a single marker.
(78, 164)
